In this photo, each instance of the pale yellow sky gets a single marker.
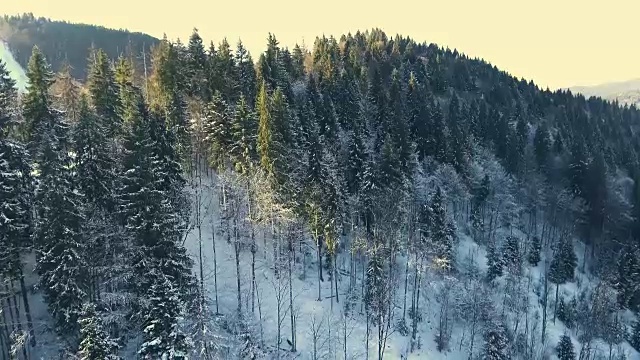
(557, 43)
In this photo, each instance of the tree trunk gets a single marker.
(555, 305)
(215, 266)
(27, 311)
(291, 314)
(236, 247)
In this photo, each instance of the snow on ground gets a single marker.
(15, 70)
(314, 315)
(309, 311)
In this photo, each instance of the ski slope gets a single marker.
(16, 71)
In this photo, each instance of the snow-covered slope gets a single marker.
(16, 71)
(626, 92)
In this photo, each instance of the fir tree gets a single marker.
(534, 251)
(59, 235)
(94, 162)
(104, 94)
(95, 342)
(153, 218)
(442, 233)
(246, 74)
(495, 344)
(494, 263)
(163, 337)
(634, 340)
(511, 255)
(565, 348)
(196, 66)
(15, 185)
(36, 105)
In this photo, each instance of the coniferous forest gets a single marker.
(372, 197)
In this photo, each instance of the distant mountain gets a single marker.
(626, 92)
(61, 40)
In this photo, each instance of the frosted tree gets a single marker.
(495, 344)
(565, 348)
(95, 342)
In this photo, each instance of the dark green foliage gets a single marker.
(59, 205)
(104, 94)
(15, 185)
(567, 312)
(442, 233)
(494, 263)
(63, 41)
(36, 104)
(534, 251)
(563, 264)
(634, 340)
(628, 279)
(564, 350)
(511, 255)
(94, 162)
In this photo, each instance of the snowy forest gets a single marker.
(372, 197)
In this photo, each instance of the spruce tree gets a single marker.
(511, 255)
(36, 104)
(15, 185)
(565, 348)
(59, 236)
(161, 267)
(94, 162)
(634, 340)
(495, 344)
(103, 90)
(246, 74)
(442, 233)
(195, 68)
(534, 251)
(95, 342)
(494, 263)
(218, 130)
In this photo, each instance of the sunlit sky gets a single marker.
(557, 43)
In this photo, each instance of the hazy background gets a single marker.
(556, 43)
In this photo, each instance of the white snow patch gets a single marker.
(15, 70)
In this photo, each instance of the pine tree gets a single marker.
(218, 130)
(494, 263)
(565, 348)
(534, 251)
(196, 67)
(166, 100)
(163, 337)
(59, 235)
(511, 255)
(15, 185)
(95, 342)
(458, 139)
(103, 90)
(442, 233)
(36, 105)
(495, 344)
(94, 162)
(562, 266)
(246, 74)
(243, 136)
(635, 335)
(628, 278)
(272, 134)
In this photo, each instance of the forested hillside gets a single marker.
(372, 197)
(63, 42)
